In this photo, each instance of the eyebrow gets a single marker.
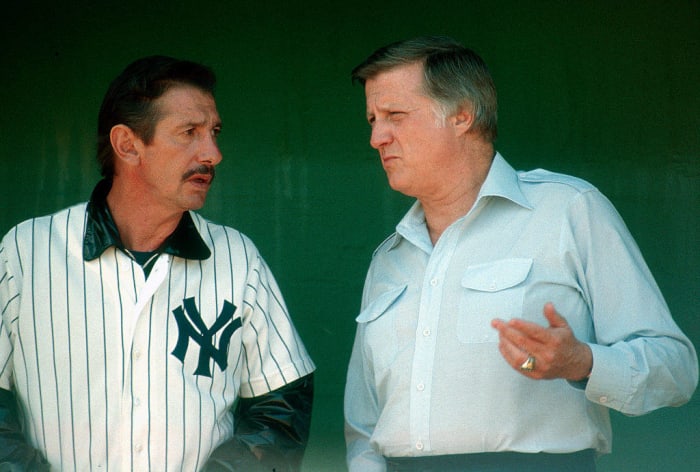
(198, 123)
(392, 104)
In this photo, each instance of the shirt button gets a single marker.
(138, 448)
(434, 282)
(137, 401)
(426, 332)
(420, 387)
(419, 445)
(137, 355)
(603, 399)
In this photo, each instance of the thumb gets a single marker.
(553, 317)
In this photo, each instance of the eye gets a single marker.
(396, 115)
(216, 131)
(189, 132)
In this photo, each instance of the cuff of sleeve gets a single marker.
(609, 383)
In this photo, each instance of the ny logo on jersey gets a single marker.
(191, 326)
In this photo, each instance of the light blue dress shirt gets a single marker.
(425, 375)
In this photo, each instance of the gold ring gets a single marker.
(528, 365)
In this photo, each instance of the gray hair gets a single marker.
(454, 76)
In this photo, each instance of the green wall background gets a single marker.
(607, 91)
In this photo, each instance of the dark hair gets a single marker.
(131, 96)
(454, 76)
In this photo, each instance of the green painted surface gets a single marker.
(608, 93)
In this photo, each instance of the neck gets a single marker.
(459, 195)
(142, 227)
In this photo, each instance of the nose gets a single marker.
(381, 135)
(210, 153)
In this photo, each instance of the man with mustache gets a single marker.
(135, 334)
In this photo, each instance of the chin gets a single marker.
(195, 200)
(398, 186)
(194, 204)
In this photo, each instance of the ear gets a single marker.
(126, 145)
(462, 121)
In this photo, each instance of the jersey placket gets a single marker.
(135, 394)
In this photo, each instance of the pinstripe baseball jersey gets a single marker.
(116, 371)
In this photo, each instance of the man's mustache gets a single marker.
(201, 170)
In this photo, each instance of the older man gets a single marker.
(510, 310)
(135, 334)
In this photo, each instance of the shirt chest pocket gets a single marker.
(386, 327)
(491, 290)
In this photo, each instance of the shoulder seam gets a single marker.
(545, 176)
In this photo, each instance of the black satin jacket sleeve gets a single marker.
(15, 453)
(271, 431)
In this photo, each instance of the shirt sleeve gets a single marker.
(361, 412)
(9, 300)
(274, 354)
(641, 359)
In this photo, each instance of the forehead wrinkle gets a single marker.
(188, 105)
(379, 103)
(196, 118)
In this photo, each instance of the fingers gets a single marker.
(519, 339)
(516, 347)
(557, 352)
(522, 331)
(517, 335)
(536, 331)
(511, 350)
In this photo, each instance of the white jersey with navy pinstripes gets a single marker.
(117, 372)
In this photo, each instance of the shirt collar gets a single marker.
(501, 181)
(101, 232)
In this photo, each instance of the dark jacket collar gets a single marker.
(101, 232)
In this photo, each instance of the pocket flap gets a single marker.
(496, 275)
(379, 305)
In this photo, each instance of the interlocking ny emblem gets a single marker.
(191, 326)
